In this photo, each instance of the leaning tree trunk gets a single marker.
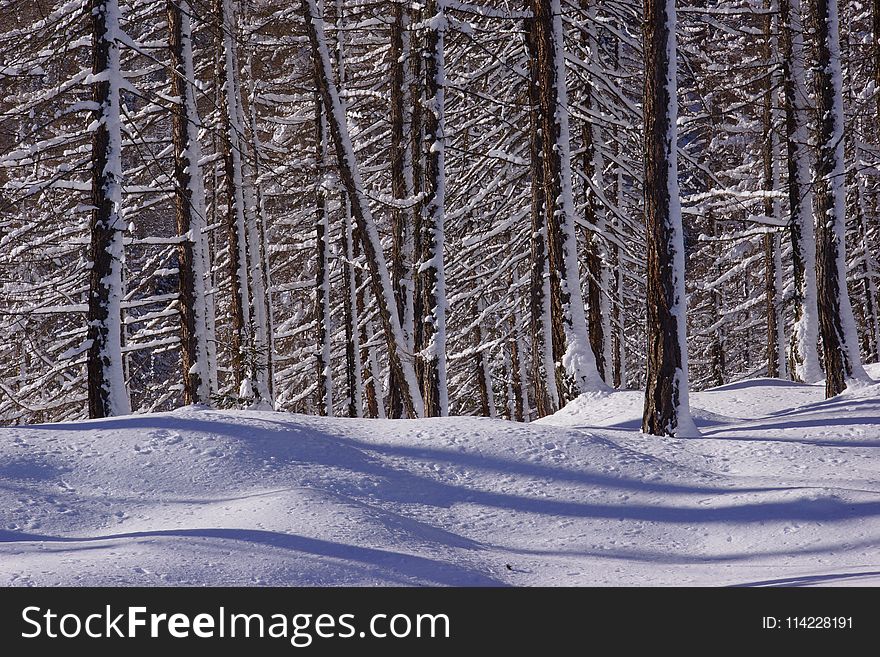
(431, 270)
(399, 361)
(572, 352)
(189, 198)
(107, 394)
(836, 321)
(666, 395)
(804, 355)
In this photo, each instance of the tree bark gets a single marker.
(107, 394)
(543, 366)
(233, 180)
(323, 367)
(401, 187)
(431, 267)
(836, 321)
(189, 204)
(572, 353)
(776, 365)
(804, 355)
(666, 409)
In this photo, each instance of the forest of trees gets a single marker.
(380, 208)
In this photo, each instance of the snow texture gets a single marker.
(782, 489)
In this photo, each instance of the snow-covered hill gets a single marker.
(783, 488)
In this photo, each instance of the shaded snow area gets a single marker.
(782, 488)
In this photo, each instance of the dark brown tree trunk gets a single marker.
(431, 269)
(515, 369)
(106, 381)
(191, 352)
(543, 369)
(598, 305)
(548, 129)
(236, 238)
(351, 314)
(594, 259)
(774, 366)
(803, 355)
(572, 353)
(401, 219)
(666, 403)
(322, 277)
(836, 321)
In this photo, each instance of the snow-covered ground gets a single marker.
(783, 488)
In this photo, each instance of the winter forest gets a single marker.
(373, 208)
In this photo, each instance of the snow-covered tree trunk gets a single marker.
(323, 348)
(776, 362)
(353, 365)
(599, 275)
(399, 361)
(258, 252)
(804, 355)
(619, 291)
(543, 367)
(666, 395)
(107, 393)
(352, 299)
(431, 268)
(189, 199)
(402, 220)
(836, 321)
(869, 271)
(235, 222)
(572, 352)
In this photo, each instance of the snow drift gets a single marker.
(782, 488)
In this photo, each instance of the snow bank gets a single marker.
(202, 497)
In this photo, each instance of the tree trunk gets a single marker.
(431, 270)
(543, 367)
(189, 200)
(836, 321)
(666, 396)
(323, 348)
(482, 369)
(401, 187)
(233, 180)
(804, 355)
(572, 353)
(776, 365)
(261, 357)
(353, 365)
(107, 394)
(599, 276)
(399, 362)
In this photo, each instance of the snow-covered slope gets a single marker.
(782, 488)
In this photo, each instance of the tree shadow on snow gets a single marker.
(411, 566)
